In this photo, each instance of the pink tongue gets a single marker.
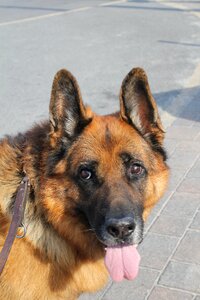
(122, 262)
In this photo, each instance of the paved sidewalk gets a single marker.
(170, 252)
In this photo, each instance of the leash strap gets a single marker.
(18, 214)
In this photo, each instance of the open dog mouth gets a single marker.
(120, 238)
(122, 259)
(121, 256)
(122, 262)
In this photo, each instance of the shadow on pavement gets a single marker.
(179, 43)
(172, 1)
(31, 8)
(167, 9)
(183, 103)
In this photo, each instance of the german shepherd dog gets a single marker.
(94, 179)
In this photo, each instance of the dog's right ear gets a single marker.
(68, 115)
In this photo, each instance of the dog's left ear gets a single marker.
(138, 106)
(68, 115)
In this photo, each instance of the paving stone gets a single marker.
(189, 145)
(196, 123)
(182, 159)
(182, 205)
(170, 225)
(150, 220)
(161, 293)
(190, 185)
(197, 139)
(153, 215)
(188, 250)
(156, 249)
(170, 145)
(195, 171)
(183, 122)
(176, 175)
(136, 289)
(182, 276)
(182, 132)
(162, 201)
(196, 222)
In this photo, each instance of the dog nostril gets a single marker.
(121, 228)
(131, 228)
(127, 230)
(113, 230)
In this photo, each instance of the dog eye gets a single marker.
(85, 174)
(135, 169)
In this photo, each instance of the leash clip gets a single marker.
(24, 231)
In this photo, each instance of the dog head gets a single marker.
(103, 173)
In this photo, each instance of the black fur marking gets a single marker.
(157, 147)
(108, 137)
(54, 159)
(18, 141)
(32, 195)
(11, 204)
(37, 140)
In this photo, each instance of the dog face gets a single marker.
(111, 172)
(104, 173)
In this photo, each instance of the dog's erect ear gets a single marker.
(68, 115)
(138, 106)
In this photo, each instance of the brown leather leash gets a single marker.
(18, 214)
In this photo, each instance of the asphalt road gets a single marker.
(99, 42)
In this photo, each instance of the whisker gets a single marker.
(87, 230)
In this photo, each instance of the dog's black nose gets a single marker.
(120, 228)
